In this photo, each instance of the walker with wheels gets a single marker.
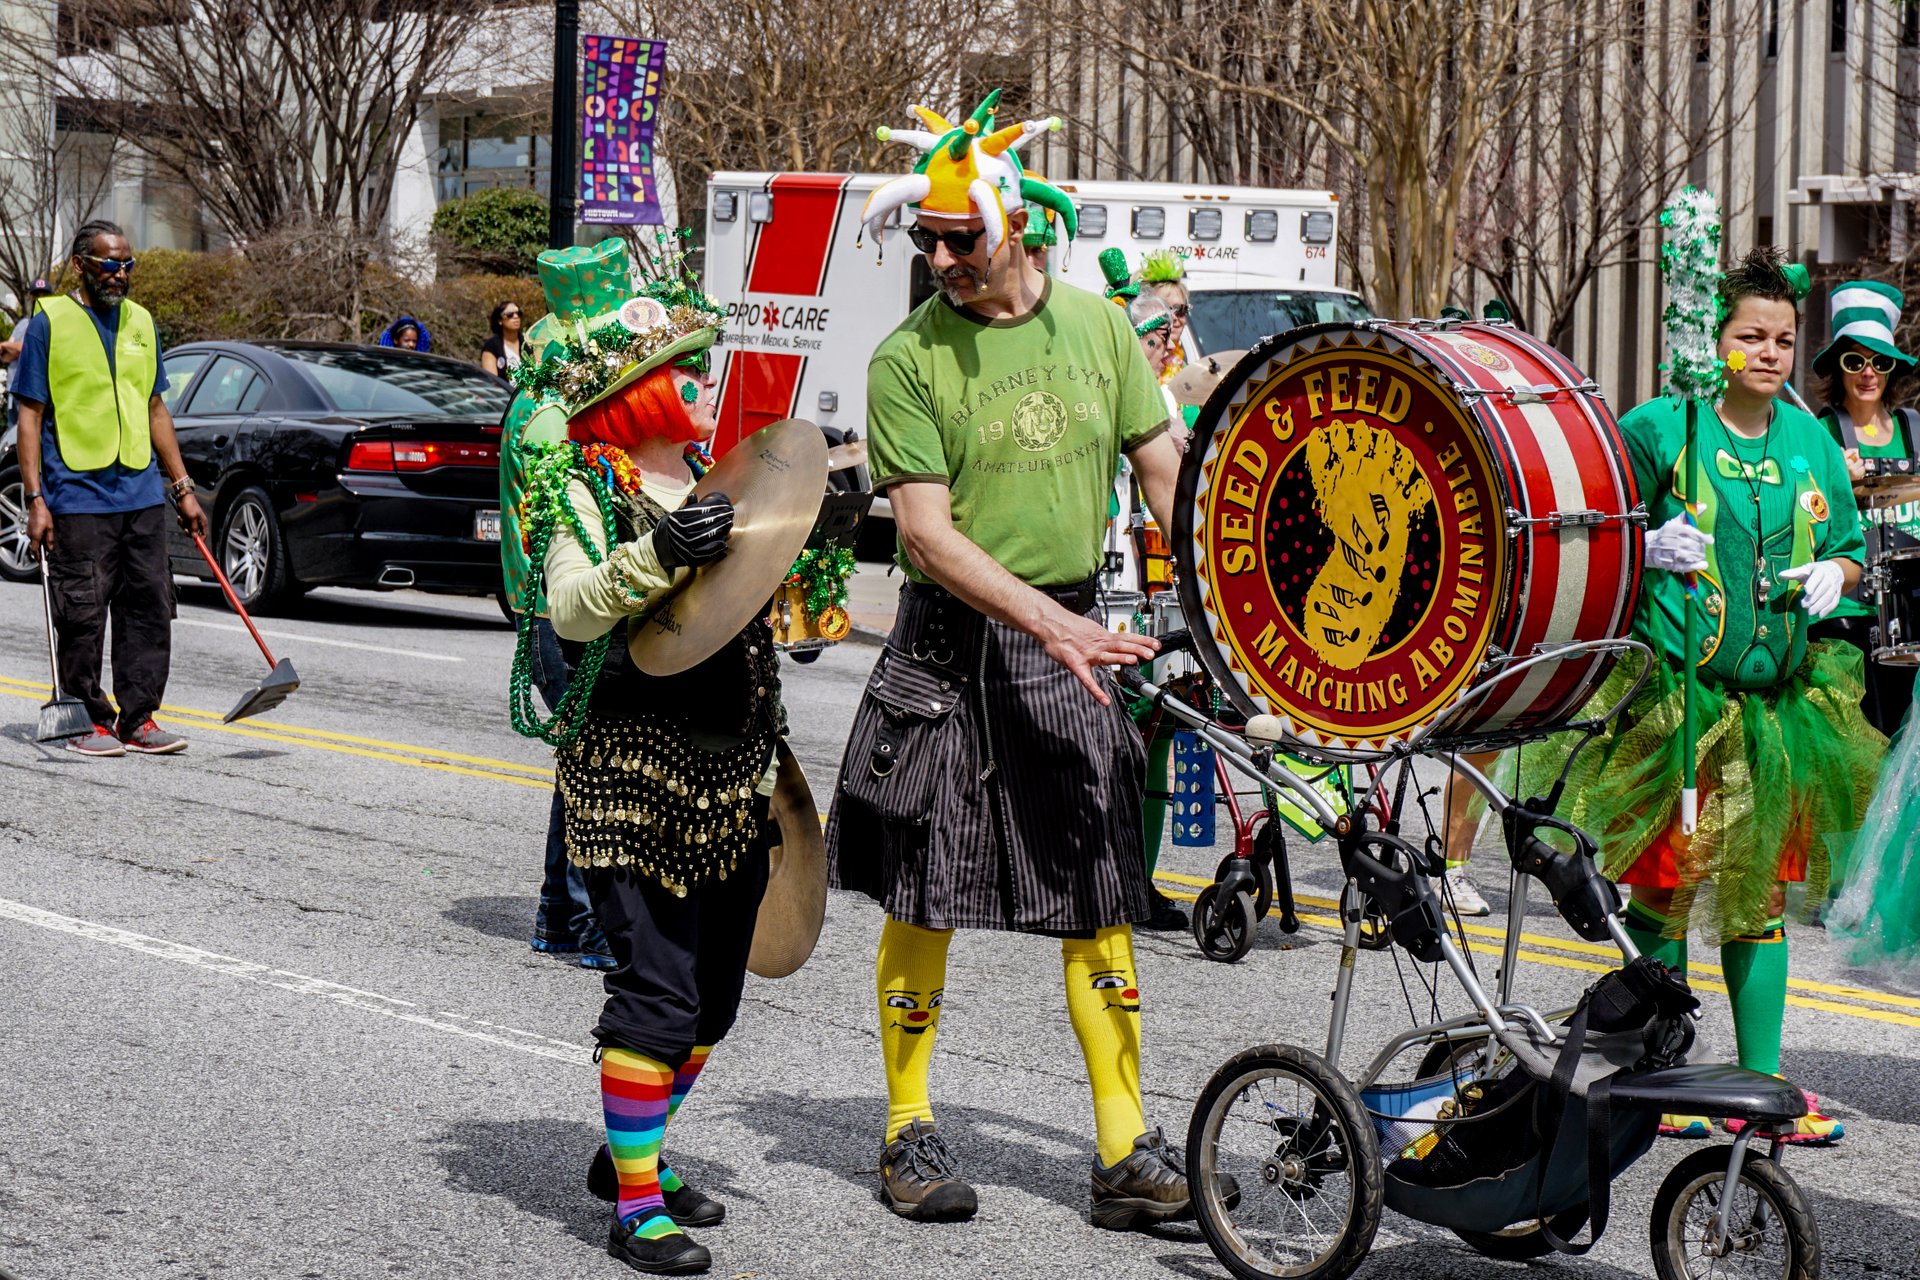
(1398, 544)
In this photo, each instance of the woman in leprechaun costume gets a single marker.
(1786, 760)
(665, 781)
(1861, 364)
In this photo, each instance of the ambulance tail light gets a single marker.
(1263, 226)
(1316, 227)
(1204, 224)
(1093, 221)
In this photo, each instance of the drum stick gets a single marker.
(1794, 396)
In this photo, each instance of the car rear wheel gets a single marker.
(16, 565)
(253, 552)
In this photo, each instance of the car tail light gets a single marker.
(420, 455)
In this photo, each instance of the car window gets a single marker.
(375, 381)
(180, 371)
(228, 387)
(1235, 319)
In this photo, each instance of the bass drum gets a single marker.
(1374, 517)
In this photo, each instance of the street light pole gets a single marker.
(563, 179)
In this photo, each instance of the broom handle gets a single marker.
(46, 599)
(232, 599)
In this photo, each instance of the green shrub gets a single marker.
(499, 230)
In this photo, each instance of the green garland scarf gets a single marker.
(543, 507)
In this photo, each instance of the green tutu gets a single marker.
(1880, 906)
(1790, 767)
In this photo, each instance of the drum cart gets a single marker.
(1291, 1161)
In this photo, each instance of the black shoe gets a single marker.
(687, 1207)
(1148, 1187)
(920, 1179)
(1167, 916)
(673, 1255)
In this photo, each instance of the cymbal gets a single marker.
(850, 454)
(1193, 384)
(1888, 490)
(773, 478)
(795, 903)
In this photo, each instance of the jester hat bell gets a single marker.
(604, 332)
(968, 170)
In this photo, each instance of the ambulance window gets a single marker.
(1235, 319)
(1203, 224)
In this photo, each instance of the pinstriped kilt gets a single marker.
(983, 787)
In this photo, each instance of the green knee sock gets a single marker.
(1154, 812)
(1756, 968)
(1647, 928)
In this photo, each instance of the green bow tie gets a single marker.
(1732, 468)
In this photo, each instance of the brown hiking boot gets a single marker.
(920, 1179)
(1149, 1186)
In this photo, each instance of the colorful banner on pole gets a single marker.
(619, 98)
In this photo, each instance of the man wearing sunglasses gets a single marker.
(94, 440)
(993, 779)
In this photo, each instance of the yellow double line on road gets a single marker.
(198, 720)
(1563, 953)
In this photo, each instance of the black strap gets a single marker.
(1599, 1138)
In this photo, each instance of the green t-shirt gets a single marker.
(1902, 522)
(1023, 420)
(1754, 632)
(529, 422)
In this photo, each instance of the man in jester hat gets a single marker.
(664, 781)
(992, 779)
(1786, 761)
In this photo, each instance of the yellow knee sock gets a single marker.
(910, 975)
(1103, 1000)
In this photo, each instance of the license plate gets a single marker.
(486, 526)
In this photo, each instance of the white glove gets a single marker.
(1821, 585)
(1678, 547)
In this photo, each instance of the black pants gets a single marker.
(113, 565)
(682, 962)
(1889, 688)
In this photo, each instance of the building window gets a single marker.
(1837, 27)
(477, 152)
(1773, 29)
(1702, 30)
(1910, 24)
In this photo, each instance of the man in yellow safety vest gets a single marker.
(94, 438)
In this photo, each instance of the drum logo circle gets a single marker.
(1351, 544)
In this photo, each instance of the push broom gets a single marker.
(280, 681)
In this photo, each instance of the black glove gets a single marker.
(696, 534)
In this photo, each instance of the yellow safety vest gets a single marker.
(99, 416)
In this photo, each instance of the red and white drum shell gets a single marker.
(1374, 518)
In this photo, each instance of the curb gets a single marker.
(865, 636)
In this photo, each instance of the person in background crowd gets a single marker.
(1861, 365)
(500, 353)
(407, 334)
(94, 437)
(1163, 273)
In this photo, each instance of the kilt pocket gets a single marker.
(906, 737)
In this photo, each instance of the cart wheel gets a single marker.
(1223, 933)
(1285, 1167)
(1263, 880)
(1772, 1232)
(1374, 933)
(1524, 1240)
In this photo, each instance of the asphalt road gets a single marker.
(269, 1012)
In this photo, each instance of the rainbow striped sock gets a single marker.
(683, 1077)
(634, 1091)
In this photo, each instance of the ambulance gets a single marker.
(806, 305)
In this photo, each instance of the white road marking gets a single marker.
(300, 984)
(338, 644)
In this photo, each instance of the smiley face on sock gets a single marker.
(1116, 988)
(911, 1017)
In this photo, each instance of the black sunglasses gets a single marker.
(1180, 311)
(1857, 361)
(111, 266)
(509, 315)
(961, 242)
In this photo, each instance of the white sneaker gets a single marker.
(1466, 899)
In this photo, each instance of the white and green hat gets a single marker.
(1866, 312)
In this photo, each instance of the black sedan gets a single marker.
(322, 464)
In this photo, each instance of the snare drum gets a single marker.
(1899, 600)
(1374, 517)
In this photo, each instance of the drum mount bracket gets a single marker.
(1578, 519)
(1535, 393)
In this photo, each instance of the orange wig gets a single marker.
(648, 408)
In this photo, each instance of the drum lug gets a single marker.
(1582, 518)
(1536, 393)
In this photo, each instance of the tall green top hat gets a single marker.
(1866, 312)
(606, 334)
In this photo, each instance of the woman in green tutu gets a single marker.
(1785, 758)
